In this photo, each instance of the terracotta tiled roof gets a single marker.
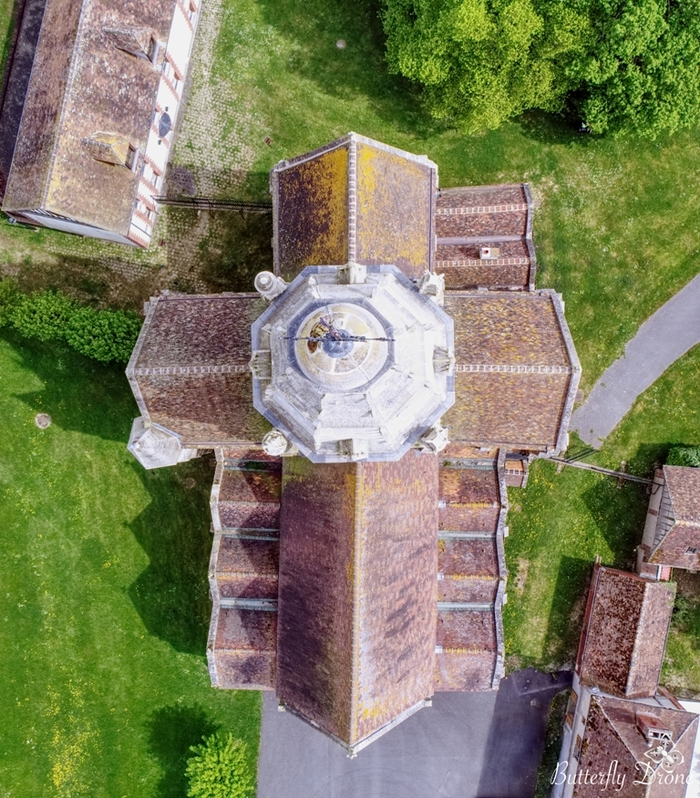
(189, 370)
(353, 200)
(82, 85)
(516, 370)
(612, 735)
(624, 638)
(471, 576)
(357, 597)
(243, 571)
(497, 217)
(676, 541)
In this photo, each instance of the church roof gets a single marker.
(516, 371)
(354, 200)
(189, 371)
(357, 591)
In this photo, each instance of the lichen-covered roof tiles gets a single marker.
(498, 218)
(189, 370)
(624, 638)
(516, 371)
(82, 85)
(353, 200)
(357, 596)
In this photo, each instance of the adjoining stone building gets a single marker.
(671, 536)
(99, 116)
(623, 734)
(362, 417)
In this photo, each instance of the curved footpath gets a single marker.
(659, 342)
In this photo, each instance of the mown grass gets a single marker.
(104, 603)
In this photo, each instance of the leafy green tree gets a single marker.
(640, 72)
(621, 66)
(484, 61)
(219, 768)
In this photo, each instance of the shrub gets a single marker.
(104, 335)
(43, 315)
(684, 456)
(9, 296)
(219, 768)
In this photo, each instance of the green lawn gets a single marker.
(104, 604)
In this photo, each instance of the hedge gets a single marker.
(105, 335)
(684, 456)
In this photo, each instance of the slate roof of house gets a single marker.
(624, 637)
(353, 200)
(189, 369)
(613, 735)
(498, 217)
(81, 84)
(516, 371)
(357, 592)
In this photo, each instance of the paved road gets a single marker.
(661, 340)
(467, 745)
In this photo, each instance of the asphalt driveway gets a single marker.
(467, 745)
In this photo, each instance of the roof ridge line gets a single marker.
(352, 199)
(356, 615)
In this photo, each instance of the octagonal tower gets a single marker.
(353, 363)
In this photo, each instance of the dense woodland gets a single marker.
(616, 66)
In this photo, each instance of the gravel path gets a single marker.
(660, 341)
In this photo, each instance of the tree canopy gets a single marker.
(219, 768)
(618, 65)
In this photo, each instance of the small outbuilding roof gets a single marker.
(624, 637)
(615, 735)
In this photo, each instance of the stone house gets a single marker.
(671, 536)
(99, 116)
(623, 734)
(362, 410)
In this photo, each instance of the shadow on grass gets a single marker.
(172, 730)
(172, 594)
(568, 606)
(79, 394)
(618, 509)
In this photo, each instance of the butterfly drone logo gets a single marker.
(661, 765)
